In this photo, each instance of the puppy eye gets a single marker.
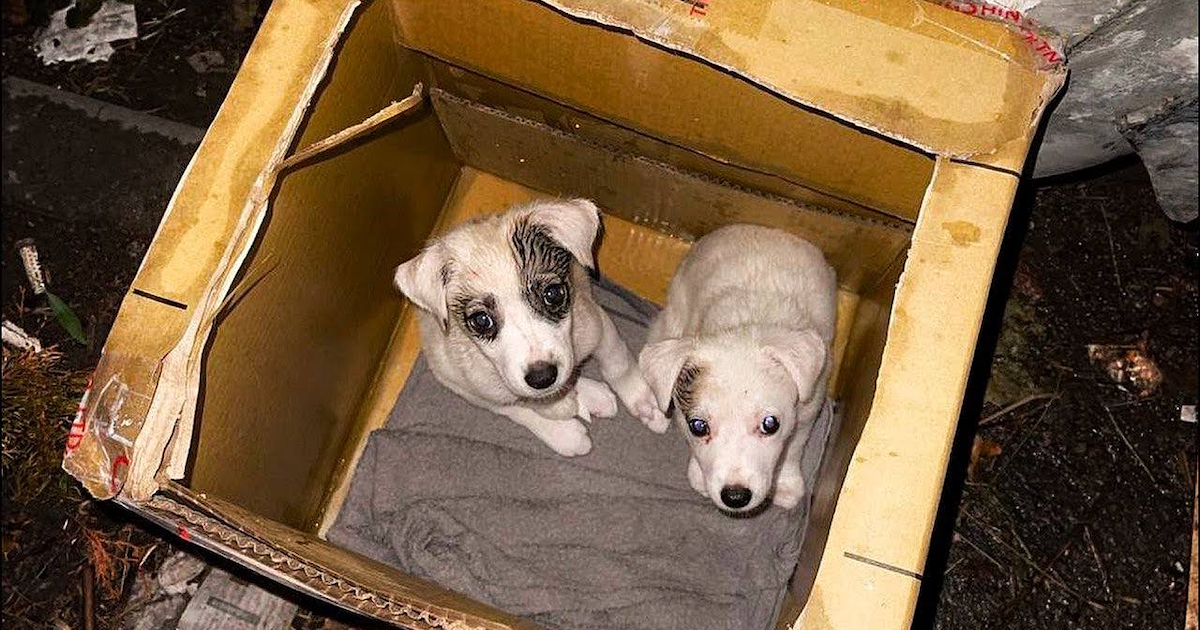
(769, 425)
(698, 427)
(554, 295)
(481, 322)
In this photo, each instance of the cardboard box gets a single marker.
(261, 340)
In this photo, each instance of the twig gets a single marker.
(1028, 434)
(89, 597)
(1012, 529)
(981, 551)
(1046, 575)
(1131, 449)
(1184, 466)
(40, 572)
(1059, 554)
(146, 556)
(1074, 284)
(952, 566)
(164, 18)
(1129, 403)
(1087, 535)
(998, 416)
(1112, 250)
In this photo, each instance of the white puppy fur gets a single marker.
(741, 351)
(507, 317)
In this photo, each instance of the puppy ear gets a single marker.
(421, 280)
(573, 223)
(660, 363)
(803, 355)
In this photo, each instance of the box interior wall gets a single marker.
(315, 344)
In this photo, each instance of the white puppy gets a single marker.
(741, 350)
(507, 317)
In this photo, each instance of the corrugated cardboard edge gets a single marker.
(1053, 66)
(179, 374)
(217, 535)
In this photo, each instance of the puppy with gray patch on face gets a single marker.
(507, 317)
(741, 352)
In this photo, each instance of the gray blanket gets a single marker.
(612, 540)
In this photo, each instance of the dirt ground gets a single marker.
(1077, 508)
(1077, 512)
(151, 73)
(56, 544)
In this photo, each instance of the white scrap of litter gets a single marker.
(1187, 413)
(58, 42)
(19, 339)
(33, 267)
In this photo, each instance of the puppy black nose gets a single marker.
(541, 375)
(735, 497)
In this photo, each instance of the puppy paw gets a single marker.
(595, 399)
(696, 477)
(788, 491)
(568, 438)
(639, 400)
(653, 418)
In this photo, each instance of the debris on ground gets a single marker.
(54, 544)
(157, 599)
(1129, 366)
(1192, 618)
(1026, 285)
(58, 42)
(27, 250)
(981, 451)
(1187, 413)
(17, 338)
(178, 573)
(37, 280)
(156, 614)
(206, 61)
(223, 600)
(39, 399)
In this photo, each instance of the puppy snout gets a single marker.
(541, 375)
(735, 497)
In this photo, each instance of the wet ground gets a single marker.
(1078, 505)
(1078, 509)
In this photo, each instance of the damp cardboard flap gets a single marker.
(930, 74)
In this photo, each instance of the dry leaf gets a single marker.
(1130, 367)
(981, 450)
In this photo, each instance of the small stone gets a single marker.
(177, 570)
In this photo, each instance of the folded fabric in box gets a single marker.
(615, 539)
